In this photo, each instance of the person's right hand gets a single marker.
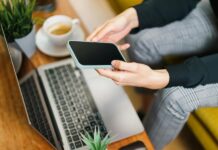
(117, 28)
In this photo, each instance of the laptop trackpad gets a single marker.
(114, 106)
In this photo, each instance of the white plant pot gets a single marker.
(27, 43)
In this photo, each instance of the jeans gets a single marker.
(195, 34)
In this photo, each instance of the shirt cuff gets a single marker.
(144, 13)
(188, 74)
(176, 73)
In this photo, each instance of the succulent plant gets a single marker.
(96, 142)
(16, 17)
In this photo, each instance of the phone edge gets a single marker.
(79, 65)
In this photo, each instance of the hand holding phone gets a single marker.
(94, 55)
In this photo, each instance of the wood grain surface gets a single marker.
(15, 132)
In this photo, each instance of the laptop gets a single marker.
(61, 102)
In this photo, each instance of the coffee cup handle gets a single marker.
(75, 21)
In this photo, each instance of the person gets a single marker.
(167, 27)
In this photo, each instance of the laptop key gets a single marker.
(62, 119)
(67, 132)
(79, 127)
(80, 111)
(64, 108)
(73, 131)
(72, 146)
(76, 138)
(69, 119)
(78, 144)
(69, 139)
(67, 114)
(85, 123)
(65, 125)
(62, 102)
(71, 124)
(90, 118)
(87, 128)
(93, 123)
(82, 132)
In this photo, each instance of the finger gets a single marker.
(91, 36)
(102, 33)
(126, 84)
(97, 70)
(124, 46)
(107, 39)
(119, 83)
(114, 75)
(117, 36)
(131, 67)
(100, 70)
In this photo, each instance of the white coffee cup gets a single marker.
(60, 40)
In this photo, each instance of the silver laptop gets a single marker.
(62, 101)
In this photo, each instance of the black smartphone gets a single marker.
(135, 146)
(94, 55)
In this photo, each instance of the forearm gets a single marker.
(156, 13)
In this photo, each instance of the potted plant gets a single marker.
(96, 142)
(16, 20)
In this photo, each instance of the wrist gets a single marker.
(161, 78)
(132, 16)
(164, 77)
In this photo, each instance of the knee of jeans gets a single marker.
(176, 103)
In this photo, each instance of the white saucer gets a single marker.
(45, 46)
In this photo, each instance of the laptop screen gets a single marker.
(25, 76)
(15, 58)
(21, 64)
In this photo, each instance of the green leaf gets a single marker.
(16, 17)
(95, 142)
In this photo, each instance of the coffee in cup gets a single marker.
(60, 29)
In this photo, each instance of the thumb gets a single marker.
(125, 66)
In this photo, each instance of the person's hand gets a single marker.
(116, 29)
(134, 74)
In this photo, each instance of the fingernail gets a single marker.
(113, 62)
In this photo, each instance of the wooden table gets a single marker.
(15, 133)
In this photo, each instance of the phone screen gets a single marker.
(89, 53)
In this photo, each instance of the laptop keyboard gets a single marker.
(34, 108)
(74, 103)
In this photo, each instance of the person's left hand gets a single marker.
(134, 74)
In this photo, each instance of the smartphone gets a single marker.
(94, 55)
(134, 146)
